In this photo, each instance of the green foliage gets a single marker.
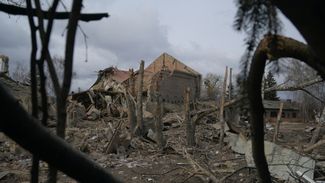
(269, 82)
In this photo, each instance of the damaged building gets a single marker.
(166, 75)
(106, 95)
(290, 111)
(21, 91)
(170, 77)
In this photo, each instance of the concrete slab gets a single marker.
(282, 161)
(237, 143)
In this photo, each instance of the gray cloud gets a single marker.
(205, 60)
(121, 40)
(14, 40)
(133, 32)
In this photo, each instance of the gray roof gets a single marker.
(287, 105)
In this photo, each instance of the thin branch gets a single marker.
(196, 166)
(86, 17)
(234, 172)
(82, 32)
(300, 86)
(312, 95)
(190, 176)
(295, 87)
(314, 146)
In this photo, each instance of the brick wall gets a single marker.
(173, 85)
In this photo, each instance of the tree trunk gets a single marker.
(131, 113)
(139, 99)
(278, 120)
(222, 103)
(158, 123)
(317, 131)
(190, 129)
(230, 85)
(67, 77)
(131, 82)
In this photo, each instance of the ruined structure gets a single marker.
(111, 79)
(170, 77)
(21, 91)
(4, 65)
(167, 75)
(106, 95)
(290, 111)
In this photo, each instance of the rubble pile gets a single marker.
(108, 141)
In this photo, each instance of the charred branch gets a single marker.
(15, 10)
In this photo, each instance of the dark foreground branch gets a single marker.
(27, 132)
(308, 17)
(267, 50)
(86, 17)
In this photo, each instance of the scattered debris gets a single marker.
(97, 125)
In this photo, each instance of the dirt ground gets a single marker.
(141, 161)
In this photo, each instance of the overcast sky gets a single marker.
(199, 33)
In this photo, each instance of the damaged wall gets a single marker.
(171, 77)
(171, 86)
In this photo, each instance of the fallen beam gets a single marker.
(17, 124)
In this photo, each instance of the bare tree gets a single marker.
(212, 83)
(298, 73)
(58, 63)
(20, 73)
